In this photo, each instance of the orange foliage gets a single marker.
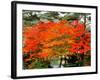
(43, 36)
(43, 55)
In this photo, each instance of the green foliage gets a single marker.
(40, 64)
(33, 17)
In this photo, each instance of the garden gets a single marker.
(56, 39)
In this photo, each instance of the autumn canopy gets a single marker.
(52, 39)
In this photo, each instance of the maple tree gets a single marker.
(47, 40)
